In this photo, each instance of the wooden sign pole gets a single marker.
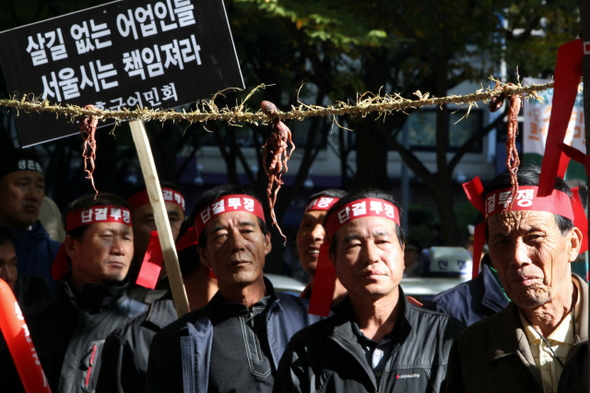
(150, 175)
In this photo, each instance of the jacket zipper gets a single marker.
(90, 366)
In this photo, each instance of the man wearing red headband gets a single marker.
(235, 342)
(311, 235)
(378, 340)
(539, 342)
(142, 214)
(69, 329)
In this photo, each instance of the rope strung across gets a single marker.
(208, 111)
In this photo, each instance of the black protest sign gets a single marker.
(146, 53)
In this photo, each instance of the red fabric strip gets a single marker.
(142, 198)
(97, 214)
(568, 70)
(60, 265)
(152, 263)
(557, 202)
(323, 203)
(187, 240)
(479, 235)
(368, 207)
(323, 284)
(228, 204)
(473, 190)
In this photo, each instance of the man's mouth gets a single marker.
(525, 280)
(30, 209)
(371, 273)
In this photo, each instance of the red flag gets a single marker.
(18, 340)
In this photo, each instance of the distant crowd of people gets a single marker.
(102, 318)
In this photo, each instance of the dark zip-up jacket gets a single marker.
(126, 350)
(180, 355)
(326, 357)
(471, 301)
(35, 253)
(68, 332)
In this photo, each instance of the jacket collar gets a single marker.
(344, 336)
(582, 335)
(219, 308)
(95, 297)
(493, 296)
(514, 342)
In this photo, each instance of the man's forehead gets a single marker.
(367, 226)
(26, 174)
(524, 219)
(314, 215)
(173, 208)
(7, 250)
(110, 226)
(239, 218)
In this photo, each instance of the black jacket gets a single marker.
(126, 350)
(180, 353)
(326, 357)
(68, 332)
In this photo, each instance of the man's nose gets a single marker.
(236, 240)
(370, 253)
(117, 245)
(520, 253)
(318, 233)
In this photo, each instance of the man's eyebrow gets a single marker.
(246, 223)
(353, 236)
(381, 233)
(217, 228)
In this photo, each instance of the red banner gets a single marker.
(18, 340)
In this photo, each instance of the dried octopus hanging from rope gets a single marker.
(87, 131)
(277, 145)
(512, 160)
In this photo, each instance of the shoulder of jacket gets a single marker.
(419, 315)
(493, 324)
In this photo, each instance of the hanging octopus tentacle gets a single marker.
(88, 130)
(512, 159)
(277, 145)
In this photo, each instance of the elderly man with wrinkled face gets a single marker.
(539, 343)
(234, 343)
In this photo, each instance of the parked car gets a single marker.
(286, 284)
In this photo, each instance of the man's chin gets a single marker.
(532, 297)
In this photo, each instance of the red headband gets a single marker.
(368, 207)
(228, 204)
(96, 214)
(496, 202)
(322, 203)
(82, 217)
(142, 198)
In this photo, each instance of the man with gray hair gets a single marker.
(539, 342)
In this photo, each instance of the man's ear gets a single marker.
(71, 246)
(267, 244)
(203, 256)
(575, 243)
(332, 256)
